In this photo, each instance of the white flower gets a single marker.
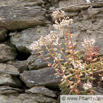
(40, 41)
(87, 86)
(102, 78)
(66, 22)
(56, 41)
(83, 45)
(88, 1)
(52, 32)
(34, 45)
(92, 41)
(71, 21)
(60, 34)
(57, 26)
(88, 42)
(78, 65)
(81, 66)
(57, 13)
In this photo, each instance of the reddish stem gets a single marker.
(71, 44)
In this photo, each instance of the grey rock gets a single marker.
(95, 12)
(31, 60)
(67, 13)
(9, 90)
(3, 34)
(33, 2)
(38, 98)
(74, 5)
(77, 5)
(21, 65)
(21, 14)
(9, 69)
(99, 44)
(42, 77)
(6, 53)
(98, 91)
(40, 62)
(42, 90)
(64, 3)
(23, 39)
(26, 98)
(6, 79)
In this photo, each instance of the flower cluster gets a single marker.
(88, 42)
(34, 45)
(80, 66)
(87, 86)
(64, 22)
(69, 63)
(50, 38)
(58, 13)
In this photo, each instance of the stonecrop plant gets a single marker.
(76, 70)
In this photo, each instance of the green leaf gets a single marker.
(48, 53)
(92, 78)
(83, 78)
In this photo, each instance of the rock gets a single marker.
(98, 4)
(63, 3)
(75, 7)
(31, 60)
(40, 62)
(42, 77)
(67, 13)
(21, 65)
(99, 44)
(98, 91)
(3, 34)
(6, 79)
(95, 12)
(33, 2)
(87, 29)
(21, 14)
(26, 98)
(34, 97)
(22, 40)
(42, 90)
(6, 53)
(9, 69)
(9, 90)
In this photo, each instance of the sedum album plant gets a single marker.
(77, 71)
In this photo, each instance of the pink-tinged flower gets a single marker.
(56, 41)
(40, 41)
(88, 42)
(34, 45)
(66, 22)
(59, 13)
(92, 41)
(57, 26)
(71, 21)
(87, 86)
(102, 78)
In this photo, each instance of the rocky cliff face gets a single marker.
(25, 78)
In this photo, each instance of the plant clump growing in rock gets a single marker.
(76, 70)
